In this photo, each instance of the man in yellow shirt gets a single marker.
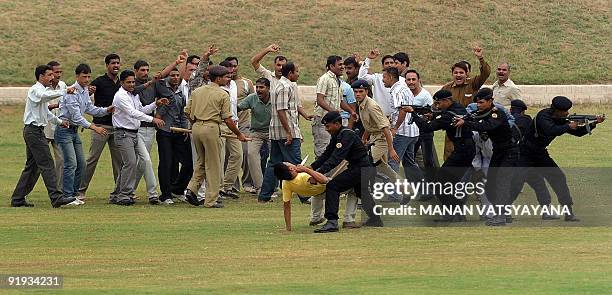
(300, 180)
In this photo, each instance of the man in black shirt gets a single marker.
(547, 125)
(345, 144)
(461, 157)
(104, 89)
(493, 123)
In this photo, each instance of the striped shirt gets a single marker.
(284, 97)
(329, 86)
(401, 95)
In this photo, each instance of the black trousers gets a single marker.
(360, 180)
(38, 161)
(501, 169)
(174, 149)
(539, 166)
(453, 169)
(430, 163)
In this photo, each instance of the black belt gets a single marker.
(128, 130)
(36, 126)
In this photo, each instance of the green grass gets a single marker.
(548, 42)
(243, 249)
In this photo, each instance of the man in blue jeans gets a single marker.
(72, 108)
(285, 134)
(405, 132)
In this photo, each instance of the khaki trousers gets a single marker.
(207, 142)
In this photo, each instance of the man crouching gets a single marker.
(345, 145)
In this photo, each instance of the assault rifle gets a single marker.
(583, 120)
(421, 110)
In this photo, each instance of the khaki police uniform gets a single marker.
(374, 121)
(208, 106)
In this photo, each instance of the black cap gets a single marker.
(331, 117)
(484, 93)
(443, 94)
(360, 84)
(561, 103)
(518, 104)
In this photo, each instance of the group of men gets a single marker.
(211, 124)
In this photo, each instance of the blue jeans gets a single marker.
(71, 146)
(404, 147)
(279, 152)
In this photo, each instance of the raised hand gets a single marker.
(70, 90)
(211, 50)
(374, 53)
(478, 52)
(273, 47)
(92, 89)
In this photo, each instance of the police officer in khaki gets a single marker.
(207, 109)
(376, 127)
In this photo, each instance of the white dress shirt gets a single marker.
(37, 105)
(381, 93)
(129, 110)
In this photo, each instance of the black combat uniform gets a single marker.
(346, 145)
(545, 128)
(523, 123)
(460, 160)
(495, 124)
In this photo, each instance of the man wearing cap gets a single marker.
(345, 145)
(547, 125)
(504, 90)
(376, 129)
(494, 125)
(461, 157)
(209, 107)
(523, 122)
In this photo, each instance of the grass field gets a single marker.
(243, 249)
(548, 42)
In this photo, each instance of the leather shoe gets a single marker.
(125, 202)
(316, 222)
(229, 194)
(329, 227)
(21, 203)
(374, 222)
(191, 198)
(61, 201)
(350, 225)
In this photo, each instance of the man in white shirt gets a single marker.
(425, 150)
(129, 111)
(405, 132)
(39, 161)
(504, 90)
(381, 93)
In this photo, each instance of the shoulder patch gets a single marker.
(339, 145)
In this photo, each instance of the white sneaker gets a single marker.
(76, 202)
(167, 202)
(276, 194)
(181, 198)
